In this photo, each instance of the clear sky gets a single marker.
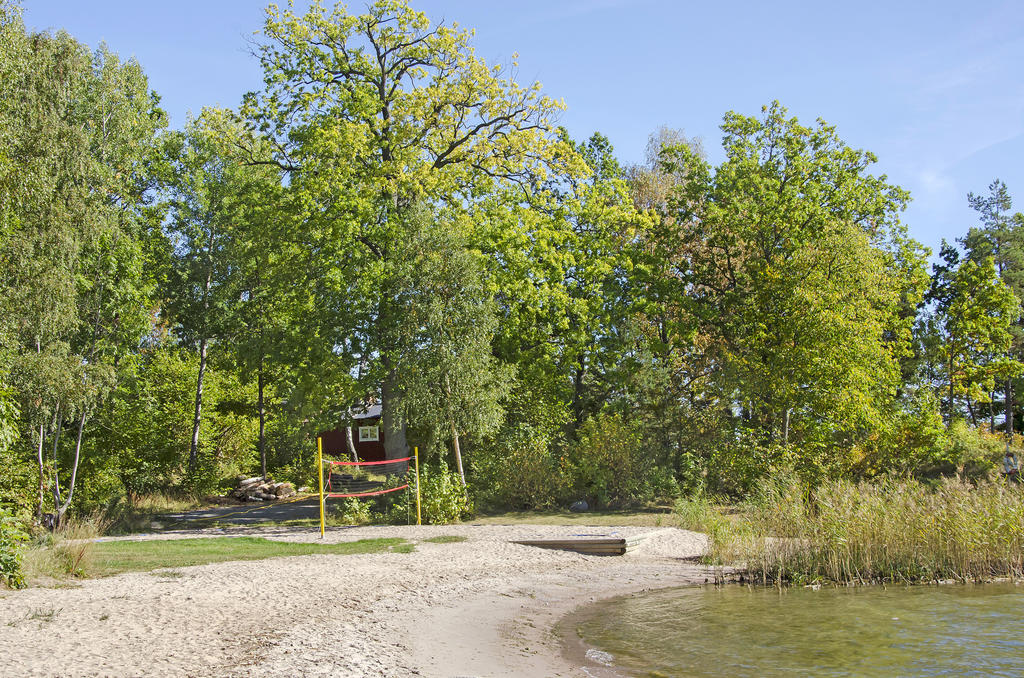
(935, 89)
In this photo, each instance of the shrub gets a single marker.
(608, 465)
(12, 539)
(352, 511)
(517, 471)
(443, 499)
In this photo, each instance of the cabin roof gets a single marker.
(371, 412)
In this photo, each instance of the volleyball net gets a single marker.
(359, 479)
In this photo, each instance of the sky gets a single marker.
(934, 89)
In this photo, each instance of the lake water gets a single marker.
(743, 631)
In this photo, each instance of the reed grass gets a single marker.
(896, 530)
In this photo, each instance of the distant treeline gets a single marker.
(391, 220)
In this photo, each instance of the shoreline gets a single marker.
(481, 607)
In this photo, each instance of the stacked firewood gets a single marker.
(259, 488)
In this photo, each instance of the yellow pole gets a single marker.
(320, 480)
(416, 453)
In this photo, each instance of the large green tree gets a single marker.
(370, 115)
(789, 282)
(78, 141)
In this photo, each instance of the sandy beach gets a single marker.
(482, 607)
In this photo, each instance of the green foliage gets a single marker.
(352, 511)
(149, 425)
(975, 318)
(970, 452)
(12, 540)
(392, 219)
(786, 274)
(517, 469)
(610, 465)
(443, 499)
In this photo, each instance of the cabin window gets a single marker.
(368, 434)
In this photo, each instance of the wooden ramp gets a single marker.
(595, 545)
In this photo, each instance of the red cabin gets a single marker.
(367, 436)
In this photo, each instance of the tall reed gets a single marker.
(894, 530)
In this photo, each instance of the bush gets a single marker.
(443, 499)
(517, 471)
(608, 465)
(12, 539)
(352, 511)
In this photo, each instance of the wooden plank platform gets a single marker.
(596, 546)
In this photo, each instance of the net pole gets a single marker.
(416, 455)
(320, 480)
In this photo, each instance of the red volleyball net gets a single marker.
(345, 479)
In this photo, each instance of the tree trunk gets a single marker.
(348, 437)
(395, 445)
(263, 420)
(1009, 409)
(991, 412)
(458, 455)
(577, 392)
(949, 421)
(42, 471)
(74, 472)
(193, 450)
(57, 428)
(785, 427)
(970, 410)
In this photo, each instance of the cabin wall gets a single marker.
(335, 445)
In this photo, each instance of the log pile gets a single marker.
(260, 489)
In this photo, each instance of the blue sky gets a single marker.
(935, 89)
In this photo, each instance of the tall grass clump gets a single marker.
(67, 551)
(893, 530)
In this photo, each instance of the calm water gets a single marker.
(869, 631)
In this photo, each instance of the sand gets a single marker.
(483, 607)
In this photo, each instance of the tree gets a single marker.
(999, 236)
(222, 235)
(452, 383)
(74, 291)
(370, 115)
(787, 271)
(975, 322)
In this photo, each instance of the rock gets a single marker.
(580, 506)
(304, 488)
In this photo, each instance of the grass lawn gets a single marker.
(446, 539)
(641, 518)
(113, 557)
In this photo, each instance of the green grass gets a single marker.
(445, 539)
(658, 517)
(404, 548)
(114, 557)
